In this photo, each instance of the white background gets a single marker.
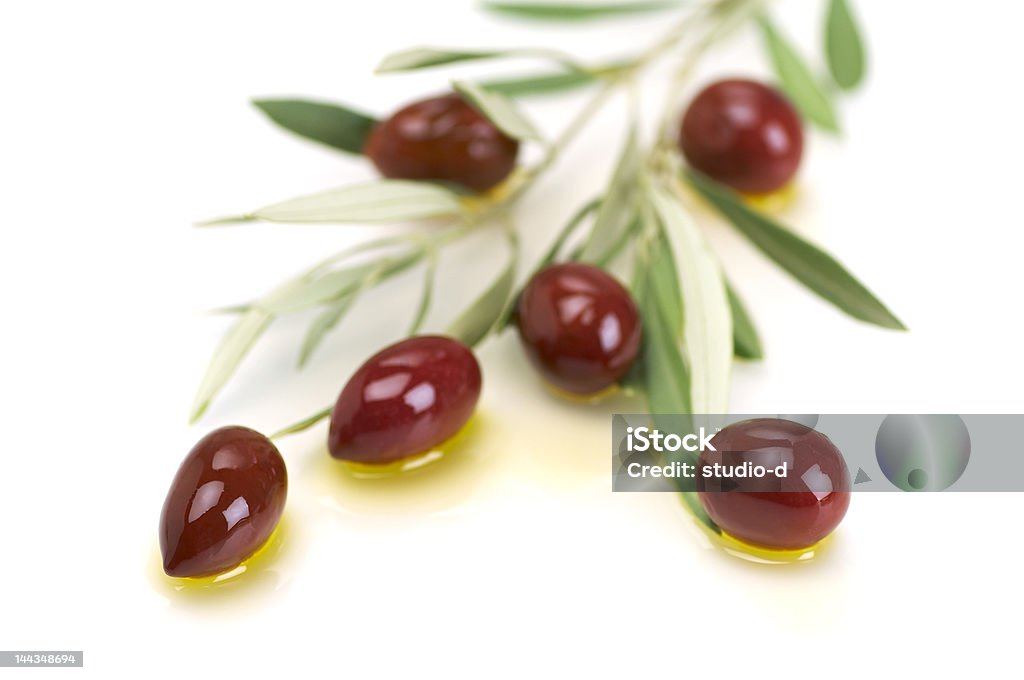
(123, 122)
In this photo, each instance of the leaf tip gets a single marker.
(224, 221)
(198, 409)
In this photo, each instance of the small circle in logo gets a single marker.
(923, 452)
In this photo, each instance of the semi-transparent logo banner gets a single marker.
(817, 453)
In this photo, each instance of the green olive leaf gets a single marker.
(844, 47)
(331, 285)
(692, 501)
(336, 126)
(323, 324)
(618, 208)
(336, 311)
(797, 80)
(383, 201)
(539, 84)
(500, 110)
(427, 296)
(808, 264)
(663, 374)
(486, 313)
(429, 57)
(555, 11)
(663, 281)
(746, 343)
(567, 231)
(324, 282)
(228, 355)
(304, 424)
(707, 323)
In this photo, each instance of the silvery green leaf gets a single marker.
(330, 285)
(426, 57)
(567, 231)
(707, 322)
(323, 324)
(746, 343)
(427, 296)
(228, 355)
(304, 424)
(500, 110)
(577, 11)
(429, 57)
(810, 265)
(332, 124)
(797, 80)
(486, 312)
(662, 373)
(336, 311)
(384, 201)
(540, 84)
(844, 46)
(618, 208)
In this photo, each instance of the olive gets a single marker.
(405, 400)
(579, 327)
(223, 504)
(443, 139)
(743, 134)
(788, 511)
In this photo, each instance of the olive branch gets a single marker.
(694, 322)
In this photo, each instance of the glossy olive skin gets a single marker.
(443, 139)
(405, 400)
(579, 327)
(743, 134)
(780, 514)
(223, 504)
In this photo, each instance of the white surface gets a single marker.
(122, 123)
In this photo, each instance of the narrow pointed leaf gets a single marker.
(539, 84)
(427, 57)
(746, 343)
(572, 11)
(427, 296)
(329, 286)
(810, 265)
(323, 324)
(663, 372)
(500, 110)
(844, 46)
(567, 231)
(618, 208)
(430, 57)
(797, 80)
(336, 311)
(487, 311)
(332, 124)
(707, 323)
(304, 424)
(228, 355)
(663, 284)
(383, 201)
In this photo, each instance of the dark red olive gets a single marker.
(223, 504)
(580, 328)
(782, 513)
(443, 139)
(743, 134)
(405, 400)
